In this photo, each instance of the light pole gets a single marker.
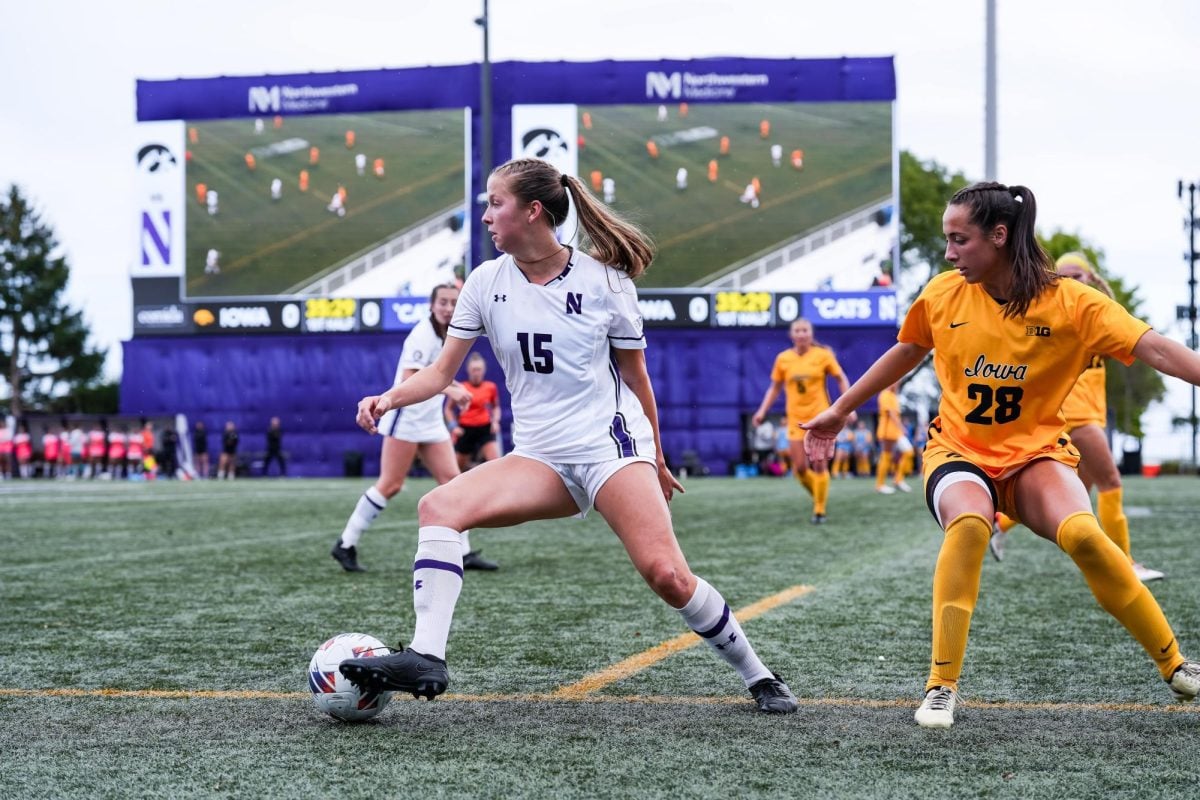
(1190, 257)
(485, 134)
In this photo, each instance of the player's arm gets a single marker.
(1168, 357)
(418, 385)
(890, 367)
(767, 401)
(632, 366)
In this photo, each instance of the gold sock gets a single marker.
(1110, 577)
(882, 468)
(904, 467)
(1111, 512)
(805, 477)
(955, 590)
(820, 491)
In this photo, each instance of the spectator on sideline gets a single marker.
(418, 429)
(200, 449)
(609, 456)
(997, 443)
(801, 371)
(274, 447)
(227, 462)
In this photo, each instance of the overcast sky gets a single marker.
(1099, 101)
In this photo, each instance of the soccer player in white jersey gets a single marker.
(565, 327)
(419, 428)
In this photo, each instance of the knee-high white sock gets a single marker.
(368, 508)
(437, 582)
(466, 542)
(709, 616)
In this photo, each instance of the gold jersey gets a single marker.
(803, 377)
(1004, 380)
(1087, 404)
(887, 428)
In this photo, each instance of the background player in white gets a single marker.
(276, 189)
(610, 190)
(566, 330)
(213, 200)
(776, 154)
(419, 428)
(681, 178)
(360, 163)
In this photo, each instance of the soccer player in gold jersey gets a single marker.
(887, 433)
(1009, 339)
(1086, 412)
(803, 368)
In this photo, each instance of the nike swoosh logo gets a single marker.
(944, 663)
(1168, 647)
(958, 324)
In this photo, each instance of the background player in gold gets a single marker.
(1009, 339)
(887, 433)
(1086, 412)
(802, 368)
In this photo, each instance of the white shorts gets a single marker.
(406, 429)
(584, 481)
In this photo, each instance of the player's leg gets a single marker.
(884, 466)
(799, 461)
(631, 501)
(963, 501)
(497, 494)
(1096, 466)
(395, 460)
(442, 462)
(1053, 503)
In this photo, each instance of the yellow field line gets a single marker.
(805, 702)
(648, 658)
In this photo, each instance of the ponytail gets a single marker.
(611, 239)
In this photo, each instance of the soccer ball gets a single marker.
(333, 694)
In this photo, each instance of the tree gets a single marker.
(925, 186)
(1129, 390)
(44, 351)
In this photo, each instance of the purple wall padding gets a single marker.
(706, 382)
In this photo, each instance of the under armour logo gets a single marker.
(499, 298)
(417, 585)
(574, 302)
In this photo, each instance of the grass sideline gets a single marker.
(158, 636)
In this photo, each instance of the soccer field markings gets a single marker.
(648, 658)
(554, 698)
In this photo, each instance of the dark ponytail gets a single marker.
(992, 204)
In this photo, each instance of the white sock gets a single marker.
(466, 542)
(437, 581)
(709, 616)
(368, 508)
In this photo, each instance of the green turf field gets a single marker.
(704, 229)
(267, 247)
(156, 638)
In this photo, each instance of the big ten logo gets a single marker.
(263, 98)
(1037, 330)
(663, 85)
(747, 309)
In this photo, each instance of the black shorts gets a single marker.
(473, 437)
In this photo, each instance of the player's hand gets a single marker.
(670, 484)
(757, 419)
(821, 436)
(370, 409)
(458, 395)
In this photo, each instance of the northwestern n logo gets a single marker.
(574, 303)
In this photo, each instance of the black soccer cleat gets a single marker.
(818, 519)
(473, 560)
(405, 671)
(346, 556)
(773, 696)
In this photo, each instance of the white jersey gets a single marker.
(569, 404)
(424, 421)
